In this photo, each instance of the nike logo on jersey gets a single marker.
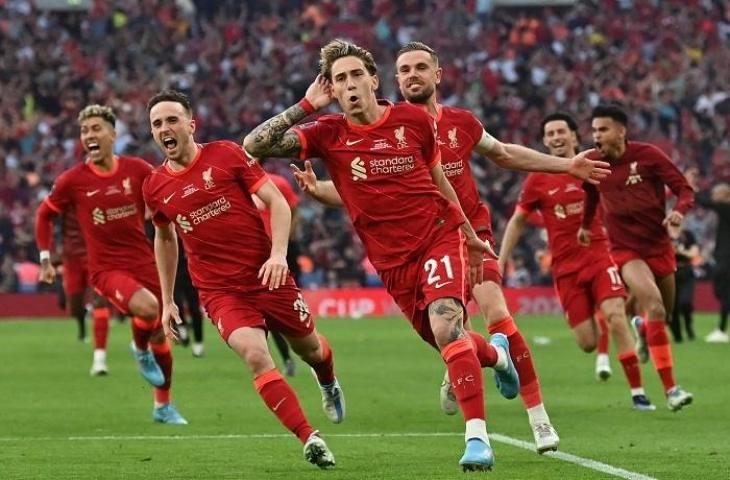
(167, 199)
(92, 193)
(553, 191)
(439, 284)
(350, 143)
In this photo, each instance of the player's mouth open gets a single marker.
(93, 147)
(169, 143)
(353, 98)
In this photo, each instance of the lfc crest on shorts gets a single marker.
(634, 176)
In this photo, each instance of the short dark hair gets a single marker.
(612, 111)
(170, 95)
(418, 46)
(566, 117)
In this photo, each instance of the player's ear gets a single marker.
(376, 82)
(192, 126)
(439, 72)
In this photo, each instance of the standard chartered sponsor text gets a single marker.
(213, 209)
(453, 169)
(392, 165)
(121, 212)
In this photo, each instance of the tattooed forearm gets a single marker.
(270, 139)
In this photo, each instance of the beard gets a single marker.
(421, 97)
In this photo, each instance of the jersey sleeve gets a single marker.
(475, 128)
(246, 168)
(158, 218)
(312, 137)
(529, 199)
(61, 196)
(673, 178)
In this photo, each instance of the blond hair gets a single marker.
(339, 48)
(105, 113)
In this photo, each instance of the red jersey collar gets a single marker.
(439, 110)
(388, 107)
(101, 173)
(169, 170)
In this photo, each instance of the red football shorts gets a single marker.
(440, 272)
(282, 310)
(75, 275)
(582, 292)
(118, 286)
(491, 265)
(660, 265)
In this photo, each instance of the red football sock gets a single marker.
(522, 358)
(630, 363)
(282, 400)
(602, 333)
(163, 357)
(101, 327)
(325, 370)
(486, 353)
(466, 377)
(141, 332)
(660, 351)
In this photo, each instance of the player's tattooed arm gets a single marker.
(273, 138)
(449, 314)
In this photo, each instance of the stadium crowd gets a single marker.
(244, 61)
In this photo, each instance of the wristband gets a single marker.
(44, 255)
(307, 106)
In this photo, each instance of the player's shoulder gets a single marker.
(328, 119)
(71, 174)
(220, 145)
(458, 114)
(534, 180)
(406, 109)
(643, 148)
(128, 162)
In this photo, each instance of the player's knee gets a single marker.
(258, 360)
(587, 344)
(656, 310)
(446, 317)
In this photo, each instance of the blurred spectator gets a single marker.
(686, 250)
(242, 62)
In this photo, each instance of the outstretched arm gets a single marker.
(589, 212)
(273, 271)
(323, 191)
(518, 157)
(166, 260)
(273, 138)
(475, 246)
(44, 239)
(512, 233)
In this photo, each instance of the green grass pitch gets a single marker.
(56, 422)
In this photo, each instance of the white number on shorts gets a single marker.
(302, 308)
(614, 275)
(431, 265)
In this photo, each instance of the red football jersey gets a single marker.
(633, 199)
(458, 132)
(110, 211)
(211, 207)
(73, 240)
(292, 199)
(560, 200)
(382, 173)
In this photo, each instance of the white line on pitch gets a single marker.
(566, 457)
